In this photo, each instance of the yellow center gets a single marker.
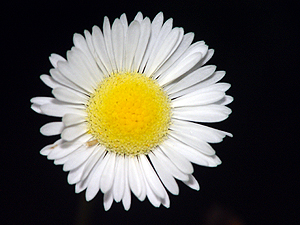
(129, 113)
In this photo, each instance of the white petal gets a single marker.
(139, 17)
(160, 43)
(36, 108)
(102, 58)
(126, 200)
(193, 78)
(80, 186)
(72, 74)
(218, 75)
(169, 165)
(94, 184)
(208, 113)
(47, 149)
(108, 43)
(193, 155)
(155, 29)
(132, 39)
(72, 119)
(133, 176)
(194, 142)
(53, 128)
(68, 95)
(192, 183)
(60, 78)
(41, 100)
(183, 46)
(78, 157)
(198, 99)
(142, 44)
(151, 177)
(199, 131)
(48, 80)
(59, 109)
(75, 174)
(225, 101)
(55, 58)
(180, 162)
(108, 200)
(70, 133)
(91, 162)
(119, 182)
(107, 177)
(166, 177)
(118, 43)
(185, 65)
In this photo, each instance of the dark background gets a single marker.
(254, 42)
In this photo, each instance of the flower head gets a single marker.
(131, 100)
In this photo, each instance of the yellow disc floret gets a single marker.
(129, 113)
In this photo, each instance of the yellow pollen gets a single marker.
(129, 113)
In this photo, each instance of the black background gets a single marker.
(254, 42)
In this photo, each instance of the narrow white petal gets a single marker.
(47, 149)
(91, 162)
(53, 128)
(207, 57)
(168, 47)
(108, 43)
(70, 133)
(72, 74)
(59, 109)
(165, 30)
(194, 52)
(73, 119)
(68, 95)
(100, 48)
(194, 142)
(94, 184)
(183, 46)
(36, 108)
(75, 174)
(198, 99)
(60, 78)
(41, 100)
(107, 177)
(166, 177)
(181, 163)
(126, 200)
(169, 165)
(192, 154)
(208, 113)
(225, 101)
(139, 17)
(118, 43)
(151, 177)
(124, 21)
(119, 182)
(80, 186)
(133, 176)
(155, 29)
(192, 183)
(199, 131)
(86, 66)
(55, 58)
(215, 77)
(142, 44)
(132, 39)
(108, 200)
(78, 157)
(49, 81)
(193, 78)
(185, 65)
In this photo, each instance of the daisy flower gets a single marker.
(131, 98)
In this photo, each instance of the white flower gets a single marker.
(131, 100)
